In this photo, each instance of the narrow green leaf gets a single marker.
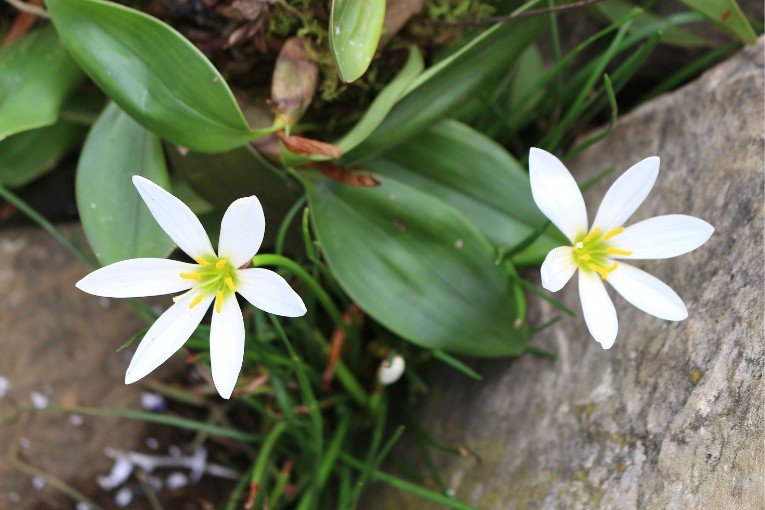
(153, 73)
(384, 102)
(727, 15)
(416, 265)
(354, 31)
(474, 174)
(36, 75)
(26, 156)
(116, 222)
(441, 88)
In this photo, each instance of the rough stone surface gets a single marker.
(58, 345)
(672, 416)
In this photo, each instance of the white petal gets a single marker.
(269, 292)
(391, 370)
(558, 268)
(241, 231)
(626, 194)
(227, 345)
(647, 293)
(598, 309)
(663, 237)
(175, 218)
(166, 336)
(138, 278)
(556, 193)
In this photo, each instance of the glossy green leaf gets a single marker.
(152, 73)
(727, 15)
(442, 88)
(26, 156)
(474, 174)
(416, 265)
(355, 29)
(525, 94)
(222, 178)
(614, 10)
(36, 75)
(384, 102)
(116, 222)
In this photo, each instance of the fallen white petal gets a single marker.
(138, 278)
(626, 194)
(598, 309)
(241, 231)
(558, 268)
(556, 193)
(647, 293)
(269, 292)
(391, 370)
(166, 336)
(663, 237)
(175, 218)
(226, 345)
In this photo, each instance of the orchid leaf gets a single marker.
(726, 15)
(354, 32)
(116, 222)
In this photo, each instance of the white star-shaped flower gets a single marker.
(214, 278)
(595, 248)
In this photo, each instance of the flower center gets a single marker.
(215, 276)
(591, 251)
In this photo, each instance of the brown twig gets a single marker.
(532, 12)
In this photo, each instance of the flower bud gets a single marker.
(293, 83)
(391, 370)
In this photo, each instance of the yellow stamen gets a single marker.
(218, 301)
(600, 270)
(614, 232)
(197, 300)
(191, 276)
(617, 251)
(221, 264)
(584, 256)
(202, 262)
(230, 284)
(593, 233)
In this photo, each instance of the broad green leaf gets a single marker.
(384, 102)
(614, 10)
(354, 31)
(727, 15)
(442, 88)
(153, 73)
(416, 265)
(524, 93)
(36, 75)
(116, 222)
(474, 174)
(26, 156)
(222, 178)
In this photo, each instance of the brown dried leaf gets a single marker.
(343, 175)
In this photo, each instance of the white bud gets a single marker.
(390, 370)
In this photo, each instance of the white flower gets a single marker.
(214, 278)
(594, 249)
(391, 370)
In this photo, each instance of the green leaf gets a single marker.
(354, 31)
(116, 222)
(614, 10)
(153, 73)
(474, 174)
(441, 88)
(384, 102)
(727, 15)
(36, 75)
(222, 178)
(524, 92)
(416, 265)
(26, 156)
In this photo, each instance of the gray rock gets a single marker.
(672, 416)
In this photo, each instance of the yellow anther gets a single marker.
(202, 262)
(612, 268)
(191, 276)
(614, 232)
(600, 270)
(592, 235)
(221, 264)
(230, 284)
(218, 301)
(584, 256)
(197, 300)
(617, 251)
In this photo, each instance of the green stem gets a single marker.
(265, 453)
